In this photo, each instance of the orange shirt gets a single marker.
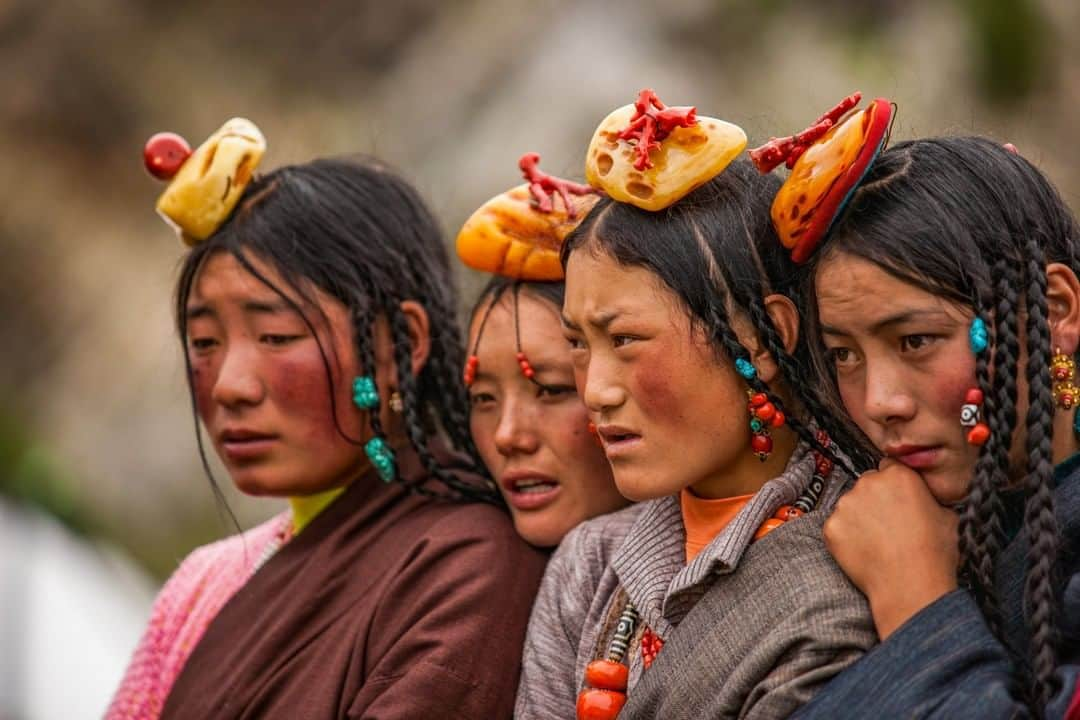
(704, 518)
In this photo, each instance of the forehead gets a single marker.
(222, 278)
(597, 283)
(855, 294)
(538, 325)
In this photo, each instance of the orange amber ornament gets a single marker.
(594, 704)
(824, 176)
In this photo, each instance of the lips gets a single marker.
(245, 444)
(528, 490)
(618, 440)
(916, 457)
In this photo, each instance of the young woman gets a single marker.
(527, 420)
(322, 355)
(949, 311)
(533, 432)
(677, 317)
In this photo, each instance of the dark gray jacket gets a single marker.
(945, 663)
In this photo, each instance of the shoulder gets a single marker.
(792, 569)
(231, 554)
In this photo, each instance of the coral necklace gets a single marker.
(606, 680)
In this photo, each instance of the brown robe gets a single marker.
(388, 605)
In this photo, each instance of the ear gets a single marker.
(419, 333)
(785, 318)
(1063, 307)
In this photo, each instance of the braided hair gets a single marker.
(361, 234)
(967, 220)
(723, 227)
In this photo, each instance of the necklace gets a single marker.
(606, 679)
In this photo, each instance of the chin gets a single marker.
(540, 534)
(639, 489)
(945, 488)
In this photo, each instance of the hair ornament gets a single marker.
(827, 161)
(518, 233)
(205, 185)
(650, 155)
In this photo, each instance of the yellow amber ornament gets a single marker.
(687, 158)
(207, 187)
(508, 236)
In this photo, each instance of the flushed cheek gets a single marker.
(652, 384)
(202, 384)
(301, 393)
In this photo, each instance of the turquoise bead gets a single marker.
(756, 424)
(365, 394)
(381, 457)
(745, 368)
(978, 338)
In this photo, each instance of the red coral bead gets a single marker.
(607, 675)
(778, 419)
(761, 444)
(758, 399)
(824, 466)
(974, 396)
(766, 411)
(529, 373)
(164, 153)
(978, 434)
(593, 704)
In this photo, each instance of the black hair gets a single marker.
(360, 233)
(552, 292)
(717, 251)
(967, 220)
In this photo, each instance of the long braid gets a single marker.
(979, 543)
(722, 332)
(720, 326)
(414, 426)
(1039, 521)
(796, 380)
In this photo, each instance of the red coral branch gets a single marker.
(787, 150)
(652, 123)
(542, 185)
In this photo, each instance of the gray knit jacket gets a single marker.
(750, 630)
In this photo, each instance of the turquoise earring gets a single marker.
(365, 394)
(382, 457)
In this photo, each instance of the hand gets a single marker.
(895, 543)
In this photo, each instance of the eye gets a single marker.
(575, 343)
(555, 391)
(202, 344)
(842, 357)
(479, 399)
(621, 340)
(276, 340)
(913, 343)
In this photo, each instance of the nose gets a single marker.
(516, 432)
(237, 382)
(601, 391)
(889, 396)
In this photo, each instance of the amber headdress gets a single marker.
(205, 185)
(827, 161)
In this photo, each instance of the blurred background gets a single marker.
(98, 461)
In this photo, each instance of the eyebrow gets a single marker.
(252, 306)
(892, 320)
(600, 320)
